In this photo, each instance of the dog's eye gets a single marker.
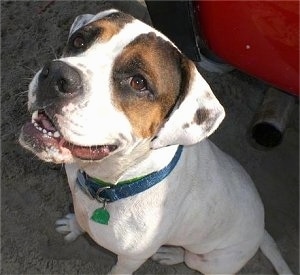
(82, 39)
(138, 83)
(78, 42)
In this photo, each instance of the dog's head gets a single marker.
(119, 83)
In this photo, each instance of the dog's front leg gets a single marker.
(126, 265)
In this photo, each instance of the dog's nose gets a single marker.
(58, 79)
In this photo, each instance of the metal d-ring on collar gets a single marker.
(92, 193)
(104, 192)
(100, 199)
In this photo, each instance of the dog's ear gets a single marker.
(80, 21)
(197, 115)
(84, 19)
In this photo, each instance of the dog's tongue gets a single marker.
(48, 125)
(44, 121)
(90, 153)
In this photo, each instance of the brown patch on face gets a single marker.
(101, 30)
(166, 73)
(111, 25)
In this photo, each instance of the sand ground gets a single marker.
(34, 194)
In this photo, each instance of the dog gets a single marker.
(129, 116)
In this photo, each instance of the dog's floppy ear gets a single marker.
(80, 21)
(196, 117)
(84, 19)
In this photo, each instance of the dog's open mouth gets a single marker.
(41, 135)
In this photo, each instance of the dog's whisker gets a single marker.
(22, 93)
(53, 51)
(24, 104)
(32, 70)
(48, 105)
(17, 97)
(21, 97)
(27, 78)
(34, 157)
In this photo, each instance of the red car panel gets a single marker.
(258, 37)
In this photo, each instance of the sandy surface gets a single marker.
(35, 194)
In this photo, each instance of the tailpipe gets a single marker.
(269, 123)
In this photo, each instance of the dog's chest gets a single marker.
(132, 224)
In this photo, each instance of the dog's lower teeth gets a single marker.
(50, 134)
(56, 134)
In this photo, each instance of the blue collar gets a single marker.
(102, 192)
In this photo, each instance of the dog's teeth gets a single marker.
(49, 134)
(40, 128)
(56, 134)
(35, 124)
(34, 116)
(44, 131)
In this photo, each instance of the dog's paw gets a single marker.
(69, 226)
(169, 255)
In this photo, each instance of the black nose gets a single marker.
(58, 79)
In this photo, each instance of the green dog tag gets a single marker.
(101, 215)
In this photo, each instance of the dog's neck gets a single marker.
(136, 163)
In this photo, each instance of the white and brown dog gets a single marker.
(116, 109)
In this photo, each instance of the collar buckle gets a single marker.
(82, 179)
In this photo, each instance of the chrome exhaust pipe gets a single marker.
(270, 121)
